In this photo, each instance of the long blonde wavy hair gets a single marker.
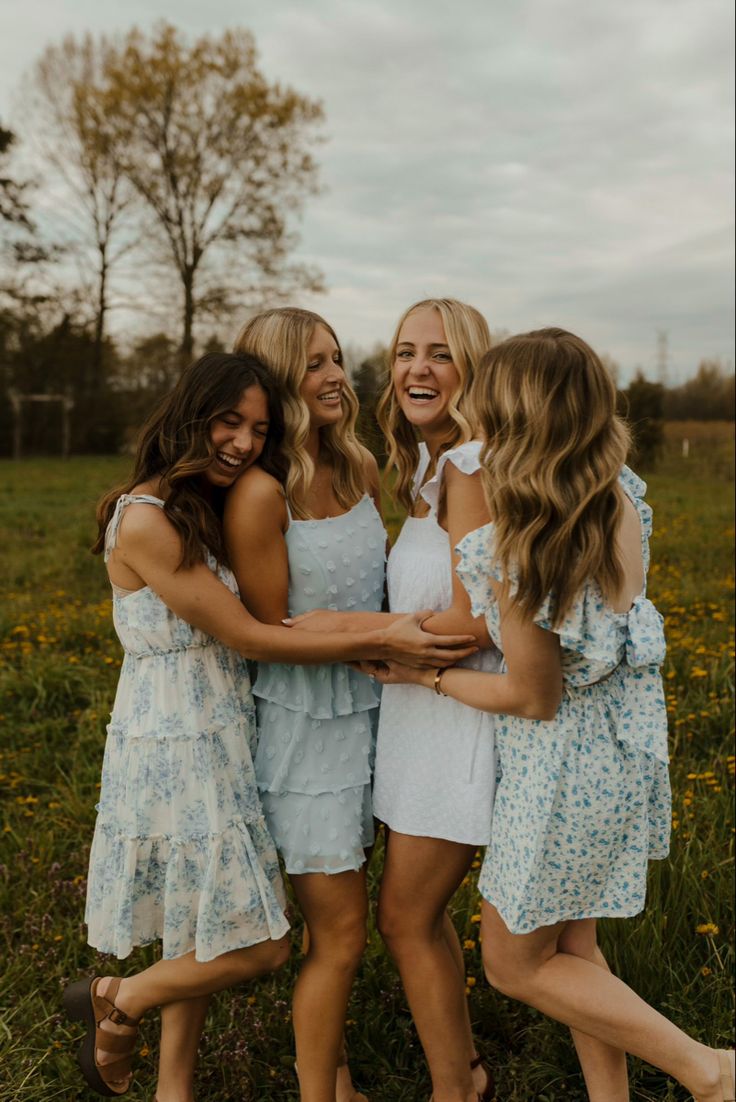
(281, 338)
(553, 451)
(468, 337)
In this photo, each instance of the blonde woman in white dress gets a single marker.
(435, 761)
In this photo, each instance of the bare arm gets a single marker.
(531, 687)
(465, 510)
(150, 548)
(255, 524)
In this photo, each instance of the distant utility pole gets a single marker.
(663, 357)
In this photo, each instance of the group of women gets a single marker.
(251, 529)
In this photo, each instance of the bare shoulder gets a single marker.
(629, 530)
(455, 479)
(256, 494)
(370, 466)
(465, 503)
(146, 528)
(256, 487)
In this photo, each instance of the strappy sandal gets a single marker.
(488, 1094)
(82, 1004)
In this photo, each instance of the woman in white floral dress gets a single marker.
(181, 851)
(583, 800)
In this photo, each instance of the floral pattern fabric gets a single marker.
(583, 801)
(181, 850)
(316, 724)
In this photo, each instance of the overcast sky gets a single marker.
(550, 161)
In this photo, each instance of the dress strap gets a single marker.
(111, 532)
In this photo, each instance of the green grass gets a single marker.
(58, 668)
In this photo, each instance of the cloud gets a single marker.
(545, 160)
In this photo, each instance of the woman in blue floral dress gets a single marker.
(583, 800)
(181, 851)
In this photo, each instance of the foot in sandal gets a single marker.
(106, 1052)
(720, 1078)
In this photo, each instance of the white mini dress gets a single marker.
(435, 768)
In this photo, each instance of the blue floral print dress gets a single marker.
(316, 724)
(181, 850)
(583, 801)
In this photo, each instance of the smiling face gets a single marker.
(424, 376)
(322, 386)
(238, 436)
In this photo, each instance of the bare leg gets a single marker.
(335, 909)
(181, 1028)
(479, 1074)
(604, 1067)
(344, 1089)
(171, 981)
(588, 998)
(420, 876)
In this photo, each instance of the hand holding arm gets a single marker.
(531, 686)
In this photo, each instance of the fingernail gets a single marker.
(287, 621)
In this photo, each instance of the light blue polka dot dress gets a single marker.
(583, 801)
(316, 724)
(181, 851)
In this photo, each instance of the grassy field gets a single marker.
(58, 667)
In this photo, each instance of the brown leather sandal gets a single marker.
(488, 1094)
(83, 1004)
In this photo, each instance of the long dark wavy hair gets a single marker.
(175, 445)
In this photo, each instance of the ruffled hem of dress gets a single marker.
(208, 893)
(327, 833)
(286, 786)
(466, 457)
(571, 916)
(322, 692)
(165, 732)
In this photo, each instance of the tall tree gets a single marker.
(220, 156)
(63, 95)
(13, 207)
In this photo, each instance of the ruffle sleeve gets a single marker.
(466, 457)
(476, 568)
(323, 692)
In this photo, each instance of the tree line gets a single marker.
(162, 176)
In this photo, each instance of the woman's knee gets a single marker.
(501, 973)
(399, 922)
(266, 956)
(343, 939)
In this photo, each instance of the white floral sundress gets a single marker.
(583, 801)
(180, 850)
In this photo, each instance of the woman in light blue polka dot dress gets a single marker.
(318, 542)
(583, 799)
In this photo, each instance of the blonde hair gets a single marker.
(468, 337)
(553, 451)
(281, 338)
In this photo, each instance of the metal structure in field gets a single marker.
(16, 401)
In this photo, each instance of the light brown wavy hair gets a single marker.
(468, 337)
(552, 455)
(175, 444)
(281, 339)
